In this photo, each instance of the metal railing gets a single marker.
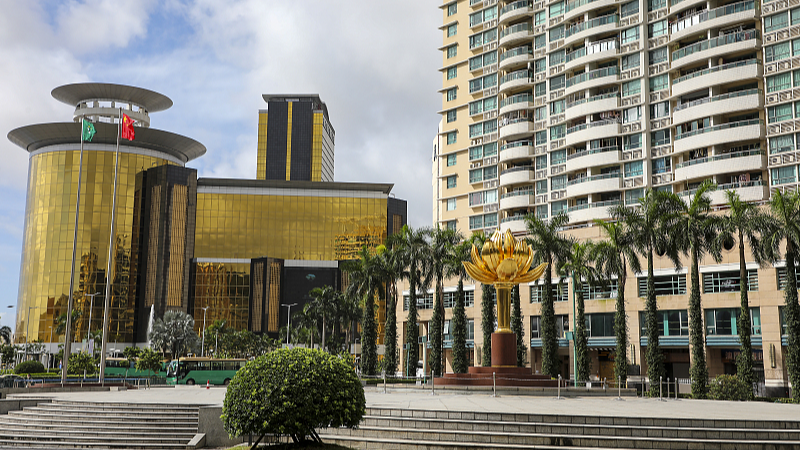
(519, 98)
(715, 42)
(715, 98)
(606, 176)
(592, 99)
(597, 123)
(516, 5)
(524, 26)
(732, 65)
(518, 193)
(516, 169)
(725, 187)
(594, 74)
(519, 74)
(592, 48)
(724, 126)
(516, 51)
(604, 204)
(592, 151)
(516, 144)
(596, 22)
(702, 16)
(719, 158)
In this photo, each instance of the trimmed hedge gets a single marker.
(292, 392)
(26, 367)
(729, 387)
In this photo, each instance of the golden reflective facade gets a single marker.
(261, 161)
(225, 289)
(47, 242)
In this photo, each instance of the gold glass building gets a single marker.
(221, 248)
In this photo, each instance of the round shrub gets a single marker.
(29, 367)
(729, 387)
(292, 392)
(81, 362)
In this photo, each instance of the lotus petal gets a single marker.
(490, 255)
(507, 270)
(533, 275)
(477, 274)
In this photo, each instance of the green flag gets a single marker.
(88, 131)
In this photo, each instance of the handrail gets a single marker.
(596, 22)
(594, 205)
(516, 51)
(592, 48)
(594, 74)
(517, 169)
(597, 123)
(518, 193)
(593, 151)
(715, 42)
(513, 218)
(719, 158)
(732, 65)
(726, 186)
(724, 126)
(515, 28)
(701, 16)
(516, 5)
(715, 98)
(576, 4)
(605, 176)
(524, 73)
(592, 99)
(518, 98)
(516, 144)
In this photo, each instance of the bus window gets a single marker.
(216, 365)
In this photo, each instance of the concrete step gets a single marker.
(120, 411)
(123, 406)
(110, 416)
(29, 420)
(95, 437)
(400, 444)
(35, 430)
(132, 445)
(6, 425)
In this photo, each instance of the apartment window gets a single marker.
(631, 87)
(630, 61)
(540, 18)
(670, 323)
(557, 82)
(653, 5)
(600, 325)
(779, 113)
(795, 16)
(780, 144)
(483, 105)
(556, 9)
(452, 9)
(452, 29)
(600, 291)
(556, 34)
(451, 116)
(451, 137)
(452, 72)
(541, 162)
(633, 169)
(657, 29)
(659, 110)
(659, 83)
(452, 51)
(490, 150)
(783, 175)
(558, 207)
(562, 325)
(558, 183)
(540, 41)
(558, 132)
(451, 159)
(557, 107)
(629, 9)
(660, 137)
(632, 114)
(632, 197)
(728, 281)
(776, 22)
(540, 90)
(476, 175)
(781, 274)
(779, 82)
(541, 186)
(475, 130)
(723, 322)
(558, 157)
(540, 113)
(475, 153)
(664, 285)
(540, 65)
(451, 94)
(451, 204)
(559, 293)
(632, 141)
(777, 52)
(659, 55)
(541, 137)
(662, 165)
(490, 172)
(557, 57)
(451, 181)
(796, 47)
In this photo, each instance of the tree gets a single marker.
(695, 232)
(5, 334)
(149, 360)
(548, 247)
(612, 256)
(394, 266)
(648, 224)
(213, 333)
(324, 301)
(80, 363)
(440, 257)
(784, 228)
(412, 247)
(366, 281)
(488, 318)
(458, 326)
(744, 221)
(61, 323)
(293, 392)
(577, 266)
(174, 334)
(516, 327)
(6, 354)
(131, 353)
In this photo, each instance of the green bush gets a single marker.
(29, 367)
(728, 387)
(292, 392)
(80, 362)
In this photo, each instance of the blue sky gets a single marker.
(374, 64)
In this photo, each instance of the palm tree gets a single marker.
(394, 268)
(324, 301)
(548, 247)
(174, 334)
(613, 256)
(744, 221)
(578, 268)
(366, 281)
(442, 243)
(696, 232)
(785, 228)
(647, 224)
(61, 322)
(458, 326)
(413, 247)
(516, 326)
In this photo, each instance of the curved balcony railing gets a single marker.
(592, 99)
(724, 126)
(596, 22)
(518, 193)
(512, 218)
(594, 47)
(715, 42)
(702, 16)
(576, 4)
(597, 123)
(517, 51)
(594, 74)
(725, 187)
(784, 180)
(613, 148)
(516, 144)
(524, 26)
(517, 169)
(519, 98)
(524, 73)
(606, 176)
(604, 204)
(516, 5)
(716, 98)
(719, 158)
(700, 73)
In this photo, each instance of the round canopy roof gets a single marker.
(72, 94)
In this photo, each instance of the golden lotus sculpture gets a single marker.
(503, 262)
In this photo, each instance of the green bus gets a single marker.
(122, 368)
(203, 370)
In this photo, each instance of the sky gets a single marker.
(374, 63)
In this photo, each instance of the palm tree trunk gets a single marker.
(323, 332)
(744, 363)
(699, 369)
(655, 368)
(550, 360)
(792, 321)
(621, 329)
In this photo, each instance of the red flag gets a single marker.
(127, 128)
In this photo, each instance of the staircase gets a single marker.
(90, 425)
(448, 430)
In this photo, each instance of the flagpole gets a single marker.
(68, 327)
(109, 279)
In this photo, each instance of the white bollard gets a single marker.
(494, 384)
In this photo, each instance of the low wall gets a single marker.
(209, 423)
(15, 404)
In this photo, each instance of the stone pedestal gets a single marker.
(504, 350)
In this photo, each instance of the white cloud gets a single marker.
(92, 25)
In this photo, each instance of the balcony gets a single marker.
(517, 33)
(517, 199)
(581, 31)
(591, 105)
(714, 76)
(520, 78)
(594, 78)
(727, 43)
(594, 130)
(516, 103)
(721, 164)
(749, 191)
(521, 8)
(515, 224)
(744, 130)
(515, 57)
(718, 105)
(517, 175)
(597, 183)
(592, 52)
(715, 18)
(516, 150)
(579, 7)
(591, 211)
(596, 157)
(516, 128)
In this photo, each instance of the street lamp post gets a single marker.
(203, 345)
(288, 319)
